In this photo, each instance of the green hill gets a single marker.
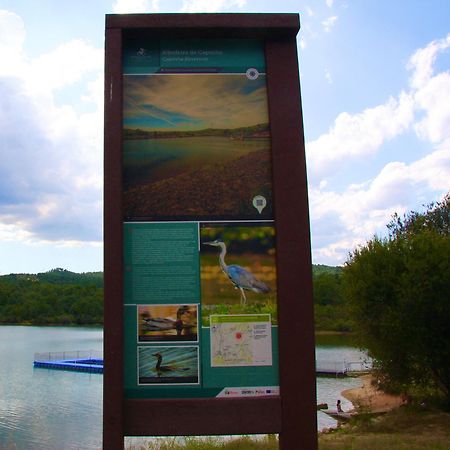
(60, 276)
(55, 297)
(319, 269)
(63, 297)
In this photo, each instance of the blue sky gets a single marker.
(375, 79)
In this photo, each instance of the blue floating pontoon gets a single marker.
(80, 365)
(89, 364)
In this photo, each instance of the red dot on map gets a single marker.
(238, 335)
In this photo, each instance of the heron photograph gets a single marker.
(196, 146)
(167, 323)
(168, 365)
(238, 271)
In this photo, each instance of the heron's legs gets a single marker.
(243, 297)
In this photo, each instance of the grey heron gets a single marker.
(240, 277)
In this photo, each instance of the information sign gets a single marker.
(206, 229)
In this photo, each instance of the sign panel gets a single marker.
(200, 304)
(196, 141)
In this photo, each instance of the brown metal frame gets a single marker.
(293, 413)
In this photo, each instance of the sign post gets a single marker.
(208, 285)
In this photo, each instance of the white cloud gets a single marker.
(136, 6)
(328, 76)
(434, 99)
(329, 3)
(12, 31)
(65, 65)
(432, 92)
(50, 155)
(342, 220)
(12, 232)
(421, 62)
(208, 6)
(329, 23)
(50, 172)
(359, 212)
(359, 135)
(12, 37)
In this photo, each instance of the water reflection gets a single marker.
(338, 349)
(49, 409)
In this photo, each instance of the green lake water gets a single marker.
(44, 409)
(150, 160)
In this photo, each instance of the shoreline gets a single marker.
(368, 397)
(71, 325)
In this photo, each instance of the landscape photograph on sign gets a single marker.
(237, 269)
(167, 323)
(196, 147)
(168, 365)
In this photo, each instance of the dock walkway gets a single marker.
(81, 361)
(342, 368)
(92, 361)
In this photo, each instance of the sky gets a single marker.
(375, 83)
(197, 102)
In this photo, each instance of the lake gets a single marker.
(150, 160)
(160, 177)
(50, 409)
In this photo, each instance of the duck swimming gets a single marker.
(160, 368)
(165, 324)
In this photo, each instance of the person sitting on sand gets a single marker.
(339, 407)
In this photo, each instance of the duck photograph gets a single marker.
(168, 365)
(238, 272)
(196, 146)
(167, 323)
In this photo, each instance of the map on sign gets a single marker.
(241, 340)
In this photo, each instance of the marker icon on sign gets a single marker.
(252, 73)
(259, 202)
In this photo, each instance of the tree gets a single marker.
(398, 290)
(330, 311)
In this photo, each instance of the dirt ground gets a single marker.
(368, 397)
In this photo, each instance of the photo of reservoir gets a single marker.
(196, 147)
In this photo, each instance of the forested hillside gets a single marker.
(59, 276)
(330, 310)
(55, 297)
(63, 297)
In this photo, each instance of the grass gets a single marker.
(407, 428)
(212, 443)
(257, 308)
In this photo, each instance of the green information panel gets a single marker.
(200, 296)
(193, 55)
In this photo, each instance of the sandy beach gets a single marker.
(368, 397)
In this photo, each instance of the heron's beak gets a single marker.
(209, 243)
